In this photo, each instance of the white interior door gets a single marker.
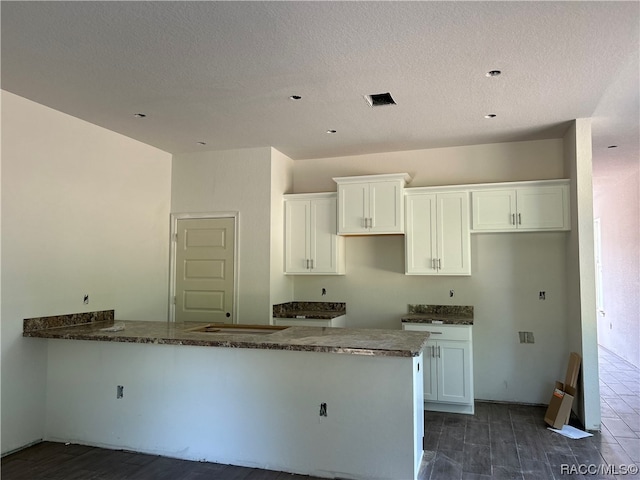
(204, 279)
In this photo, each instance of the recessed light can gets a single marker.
(493, 73)
(295, 97)
(490, 115)
(139, 115)
(332, 131)
(612, 146)
(201, 143)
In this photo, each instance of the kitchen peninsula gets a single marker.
(255, 400)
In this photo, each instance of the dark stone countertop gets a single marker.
(311, 310)
(439, 314)
(371, 342)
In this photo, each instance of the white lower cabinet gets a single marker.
(339, 322)
(448, 367)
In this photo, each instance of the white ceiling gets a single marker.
(222, 72)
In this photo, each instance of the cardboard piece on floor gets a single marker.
(571, 432)
(559, 409)
(571, 378)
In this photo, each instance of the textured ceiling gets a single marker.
(222, 72)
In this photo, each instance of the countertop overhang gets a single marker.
(371, 342)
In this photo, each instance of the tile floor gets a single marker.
(512, 441)
(501, 441)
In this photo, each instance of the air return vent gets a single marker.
(380, 99)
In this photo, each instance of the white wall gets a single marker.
(499, 162)
(84, 211)
(508, 270)
(239, 181)
(581, 324)
(281, 183)
(258, 408)
(618, 207)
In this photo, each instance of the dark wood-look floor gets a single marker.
(57, 461)
(499, 442)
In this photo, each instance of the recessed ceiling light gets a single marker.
(295, 97)
(201, 143)
(139, 115)
(612, 146)
(490, 115)
(332, 131)
(493, 73)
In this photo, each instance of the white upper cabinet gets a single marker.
(524, 207)
(311, 243)
(371, 204)
(437, 238)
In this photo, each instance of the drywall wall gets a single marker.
(617, 205)
(234, 181)
(581, 320)
(84, 211)
(281, 182)
(508, 269)
(258, 408)
(499, 162)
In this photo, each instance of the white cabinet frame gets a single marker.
(448, 367)
(437, 237)
(371, 204)
(312, 246)
(521, 206)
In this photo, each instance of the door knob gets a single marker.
(228, 315)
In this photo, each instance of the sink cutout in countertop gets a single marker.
(237, 329)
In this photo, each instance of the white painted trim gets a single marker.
(309, 196)
(172, 257)
(404, 177)
(484, 186)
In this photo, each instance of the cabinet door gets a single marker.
(353, 207)
(323, 238)
(430, 372)
(454, 372)
(494, 210)
(541, 208)
(385, 207)
(420, 238)
(453, 236)
(297, 225)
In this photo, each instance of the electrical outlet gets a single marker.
(324, 292)
(120, 391)
(451, 293)
(323, 409)
(542, 295)
(86, 299)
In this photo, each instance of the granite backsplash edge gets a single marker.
(68, 320)
(282, 308)
(460, 311)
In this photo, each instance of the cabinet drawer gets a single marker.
(441, 332)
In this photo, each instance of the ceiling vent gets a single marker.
(380, 99)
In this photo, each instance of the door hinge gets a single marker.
(175, 237)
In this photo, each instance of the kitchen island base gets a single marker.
(247, 407)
